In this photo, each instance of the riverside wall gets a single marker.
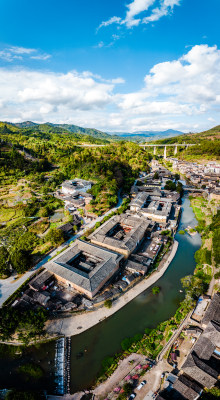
(79, 323)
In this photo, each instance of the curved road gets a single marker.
(10, 285)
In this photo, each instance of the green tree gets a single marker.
(155, 290)
(31, 371)
(170, 185)
(44, 212)
(18, 395)
(177, 177)
(216, 246)
(211, 394)
(20, 260)
(55, 236)
(4, 262)
(108, 303)
(194, 286)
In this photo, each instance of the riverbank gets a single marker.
(79, 323)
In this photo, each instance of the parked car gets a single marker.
(132, 396)
(141, 385)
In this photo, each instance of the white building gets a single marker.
(76, 186)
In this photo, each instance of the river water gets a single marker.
(145, 311)
(104, 339)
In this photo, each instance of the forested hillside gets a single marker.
(207, 145)
(45, 130)
(32, 166)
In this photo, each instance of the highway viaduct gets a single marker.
(175, 145)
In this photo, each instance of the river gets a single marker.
(104, 339)
(145, 311)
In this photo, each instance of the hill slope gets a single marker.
(208, 144)
(75, 129)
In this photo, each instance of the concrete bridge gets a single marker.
(175, 145)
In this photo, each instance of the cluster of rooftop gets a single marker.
(118, 253)
(202, 175)
(152, 202)
(121, 249)
(202, 367)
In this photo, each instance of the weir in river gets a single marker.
(59, 363)
(62, 366)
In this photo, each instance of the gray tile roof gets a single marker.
(200, 371)
(213, 312)
(85, 276)
(136, 266)
(138, 227)
(201, 364)
(40, 280)
(139, 200)
(187, 388)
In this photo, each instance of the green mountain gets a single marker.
(66, 129)
(97, 134)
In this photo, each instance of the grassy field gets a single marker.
(40, 227)
(199, 206)
(9, 214)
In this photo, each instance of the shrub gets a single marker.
(108, 303)
(31, 371)
(155, 290)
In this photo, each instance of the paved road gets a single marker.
(212, 283)
(10, 285)
(174, 336)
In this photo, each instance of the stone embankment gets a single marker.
(79, 323)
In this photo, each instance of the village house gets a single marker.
(76, 186)
(214, 195)
(85, 267)
(122, 233)
(203, 363)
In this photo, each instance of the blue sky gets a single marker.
(114, 65)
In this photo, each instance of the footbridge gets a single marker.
(175, 145)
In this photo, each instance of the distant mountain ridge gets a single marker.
(151, 134)
(136, 136)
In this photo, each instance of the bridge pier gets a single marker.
(165, 153)
(155, 150)
(175, 150)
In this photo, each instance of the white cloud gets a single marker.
(42, 57)
(25, 93)
(134, 9)
(134, 15)
(180, 94)
(21, 50)
(16, 53)
(112, 20)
